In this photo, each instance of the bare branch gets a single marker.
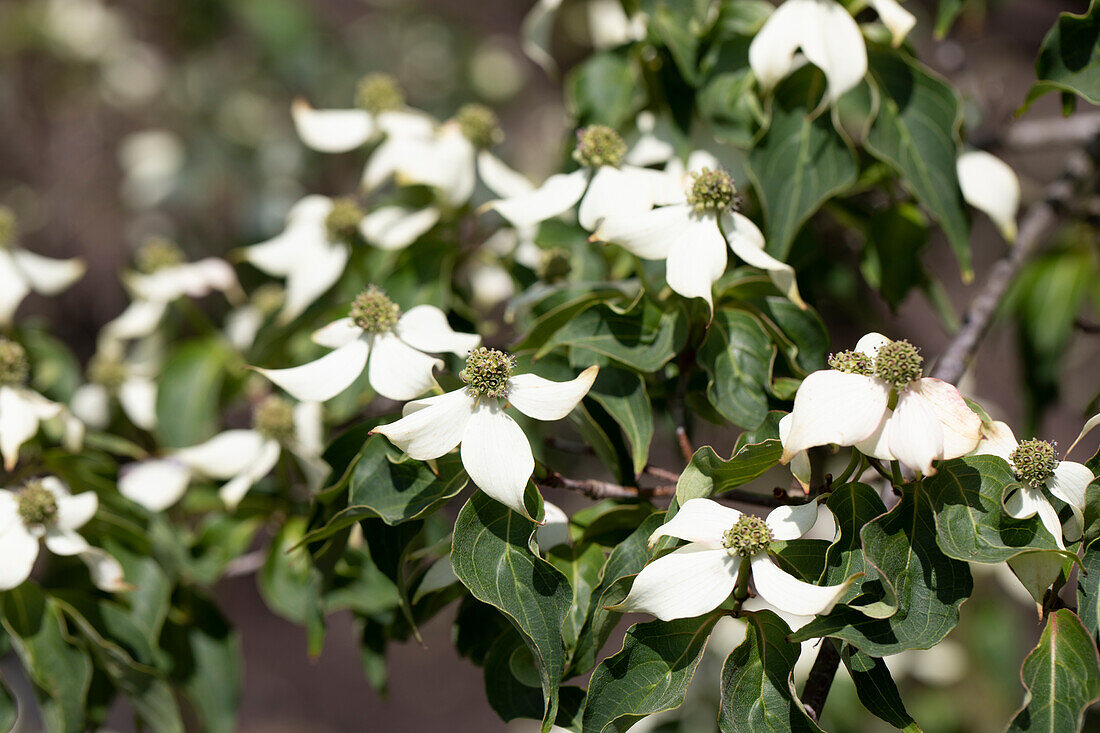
(821, 677)
(1063, 132)
(596, 489)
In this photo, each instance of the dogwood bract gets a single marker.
(391, 346)
(495, 452)
(722, 544)
(110, 376)
(43, 509)
(850, 404)
(991, 186)
(22, 409)
(692, 232)
(242, 456)
(22, 272)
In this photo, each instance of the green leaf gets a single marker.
(946, 13)
(728, 103)
(623, 394)
(288, 581)
(801, 334)
(649, 674)
(853, 506)
(891, 262)
(912, 591)
(672, 21)
(737, 355)
(582, 564)
(757, 689)
(708, 475)
(491, 555)
(398, 489)
(800, 162)
(876, 689)
(1069, 59)
(188, 392)
(917, 132)
(512, 683)
(1061, 676)
(606, 89)
(1088, 589)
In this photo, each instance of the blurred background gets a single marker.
(123, 119)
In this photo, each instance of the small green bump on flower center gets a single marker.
(9, 226)
(37, 506)
(712, 190)
(274, 418)
(555, 264)
(852, 362)
(480, 125)
(749, 536)
(599, 145)
(374, 312)
(342, 223)
(157, 253)
(1034, 461)
(110, 373)
(14, 366)
(379, 93)
(487, 372)
(898, 363)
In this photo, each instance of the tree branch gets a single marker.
(596, 489)
(821, 677)
(1079, 173)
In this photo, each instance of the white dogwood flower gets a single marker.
(850, 404)
(495, 451)
(380, 111)
(829, 37)
(22, 409)
(43, 509)
(242, 456)
(693, 231)
(392, 347)
(22, 272)
(723, 543)
(110, 377)
(990, 186)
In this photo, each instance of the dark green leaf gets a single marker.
(643, 337)
(709, 475)
(189, 390)
(876, 689)
(606, 89)
(891, 261)
(1069, 59)
(1088, 589)
(853, 505)
(622, 393)
(737, 356)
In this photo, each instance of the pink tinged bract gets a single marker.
(915, 434)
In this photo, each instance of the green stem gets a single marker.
(741, 592)
(855, 464)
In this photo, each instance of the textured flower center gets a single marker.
(274, 418)
(480, 125)
(157, 253)
(747, 537)
(852, 362)
(712, 190)
(554, 264)
(342, 222)
(599, 145)
(487, 372)
(36, 504)
(109, 372)
(9, 225)
(14, 367)
(1034, 461)
(379, 93)
(898, 363)
(374, 312)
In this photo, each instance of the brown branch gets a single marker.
(821, 677)
(1040, 219)
(662, 473)
(596, 489)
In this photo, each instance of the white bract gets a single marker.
(22, 409)
(829, 38)
(43, 509)
(693, 230)
(243, 457)
(376, 336)
(850, 404)
(990, 186)
(494, 449)
(112, 376)
(722, 544)
(22, 272)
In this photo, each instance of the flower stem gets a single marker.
(741, 592)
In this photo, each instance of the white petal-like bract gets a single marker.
(397, 370)
(701, 521)
(425, 327)
(331, 130)
(691, 581)
(545, 399)
(326, 377)
(835, 407)
(497, 455)
(787, 592)
(432, 426)
(990, 186)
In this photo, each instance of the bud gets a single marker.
(274, 418)
(37, 506)
(157, 253)
(14, 366)
(749, 536)
(379, 93)
(109, 372)
(342, 223)
(374, 312)
(852, 362)
(554, 264)
(712, 191)
(599, 145)
(1034, 462)
(9, 226)
(898, 363)
(480, 125)
(487, 372)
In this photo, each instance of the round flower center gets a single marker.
(379, 93)
(480, 125)
(599, 145)
(374, 312)
(274, 418)
(554, 264)
(342, 222)
(852, 362)
(712, 191)
(111, 373)
(747, 537)
(487, 372)
(9, 225)
(1034, 462)
(14, 367)
(898, 363)
(157, 253)
(36, 504)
